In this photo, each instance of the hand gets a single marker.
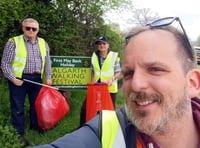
(110, 81)
(94, 81)
(17, 82)
(48, 82)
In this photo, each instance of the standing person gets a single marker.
(25, 57)
(161, 84)
(106, 67)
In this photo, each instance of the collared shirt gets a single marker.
(34, 59)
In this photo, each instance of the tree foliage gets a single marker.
(69, 26)
(9, 11)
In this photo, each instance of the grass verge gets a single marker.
(68, 124)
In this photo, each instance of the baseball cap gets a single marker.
(101, 39)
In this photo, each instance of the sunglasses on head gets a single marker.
(166, 22)
(31, 28)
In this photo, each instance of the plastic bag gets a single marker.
(50, 107)
(98, 98)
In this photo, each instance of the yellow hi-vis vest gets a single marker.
(107, 70)
(112, 135)
(19, 61)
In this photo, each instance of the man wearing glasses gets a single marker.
(160, 84)
(25, 57)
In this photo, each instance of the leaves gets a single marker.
(69, 26)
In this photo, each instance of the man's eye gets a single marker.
(156, 69)
(128, 75)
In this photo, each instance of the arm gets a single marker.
(85, 137)
(92, 73)
(117, 75)
(92, 76)
(7, 59)
(6, 63)
(47, 68)
(117, 72)
(81, 138)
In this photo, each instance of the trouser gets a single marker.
(17, 100)
(83, 108)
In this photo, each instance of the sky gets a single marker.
(187, 10)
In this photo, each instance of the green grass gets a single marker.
(68, 124)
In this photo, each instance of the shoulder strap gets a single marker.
(112, 135)
(129, 132)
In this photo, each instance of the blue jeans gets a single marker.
(17, 100)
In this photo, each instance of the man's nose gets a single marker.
(139, 81)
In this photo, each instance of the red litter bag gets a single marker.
(98, 98)
(50, 107)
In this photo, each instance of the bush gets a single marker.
(9, 136)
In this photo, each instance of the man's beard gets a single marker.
(170, 111)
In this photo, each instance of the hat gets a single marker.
(101, 39)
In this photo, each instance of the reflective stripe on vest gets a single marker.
(112, 135)
(107, 70)
(19, 61)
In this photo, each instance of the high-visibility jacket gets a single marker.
(112, 135)
(111, 131)
(107, 70)
(21, 55)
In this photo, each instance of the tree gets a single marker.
(143, 16)
(89, 14)
(129, 16)
(69, 26)
(8, 21)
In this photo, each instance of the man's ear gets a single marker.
(194, 83)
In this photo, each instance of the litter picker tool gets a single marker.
(40, 84)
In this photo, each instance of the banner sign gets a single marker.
(71, 71)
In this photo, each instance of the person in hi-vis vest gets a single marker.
(25, 57)
(105, 66)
